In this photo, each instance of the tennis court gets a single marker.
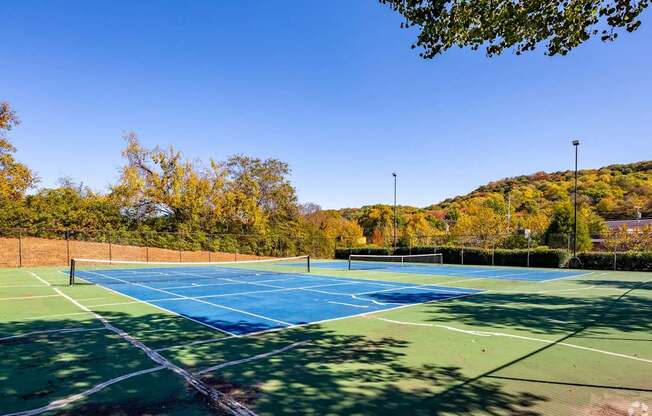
(488, 272)
(260, 296)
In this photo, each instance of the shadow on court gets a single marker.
(548, 313)
(332, 374)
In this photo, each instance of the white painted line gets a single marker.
(35, 318)
(40, 279)
(198, 300)
(20, 286)
(190, 344)
(219, 398)
(418, 287)
(253, 334)
(50, 331)
(463, 281)
(57, 404)
(566, 277)
(254, 358)
(30, 297)
(348, 304)
(500, 334)
(165, 309)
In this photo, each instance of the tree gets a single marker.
(481, 220)
(15, 177)
(159, 183)
(560, 231)
(335, 227)
(519, 24)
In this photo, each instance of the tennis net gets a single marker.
(111, 272)
(367, 262)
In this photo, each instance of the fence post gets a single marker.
(67, 234)
(528, 251)
(110, 246)
(493, 253)
(20, 248)
(462, 256)
(615, 259)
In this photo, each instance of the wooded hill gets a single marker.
(523, 202)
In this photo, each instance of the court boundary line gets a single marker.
(198, 300)
(222, 400)
(568, 277)
(486, 268)
(347, 282)
(522, 337)
(288, 325)
(161, 308)
(253, 358)
(50, 331)
(59, 403)
(29, 297)
(253, 334)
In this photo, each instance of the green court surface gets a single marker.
(576, 346)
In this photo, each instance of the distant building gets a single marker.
(632, 225)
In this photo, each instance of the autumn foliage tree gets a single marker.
(15, 177)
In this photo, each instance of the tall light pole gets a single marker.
(576, 144)
(395, 223)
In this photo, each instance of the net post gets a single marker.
(308, 263)
(72, 272)
(349, 261)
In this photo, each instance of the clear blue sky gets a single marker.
(332, 88)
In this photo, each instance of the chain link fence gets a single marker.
(618, 249)
(43, 247)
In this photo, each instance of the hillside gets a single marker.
(527, 201)
(614, 191)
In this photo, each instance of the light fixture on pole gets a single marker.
(395, 223)
(576, 144)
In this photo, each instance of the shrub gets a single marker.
(539, 257)
(628, 261)
(343, 253)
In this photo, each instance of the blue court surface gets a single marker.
(242, 301)
(487, 272)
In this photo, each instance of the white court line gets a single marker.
(557, 321)
(34, 318)
(51, 331)
(190, 344)
(197, 300)
(567, 277)
(221, 399)
(20, 286)
(463, 280)
(167, 310)
(30, 297)
(249, 359)
(501, 334)
(182, 297)
(345, 281)
(253, 334)
(221, 284)
(57, 404)
(348, 304)
(538, 292)
(40, 279)
(414, 287)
